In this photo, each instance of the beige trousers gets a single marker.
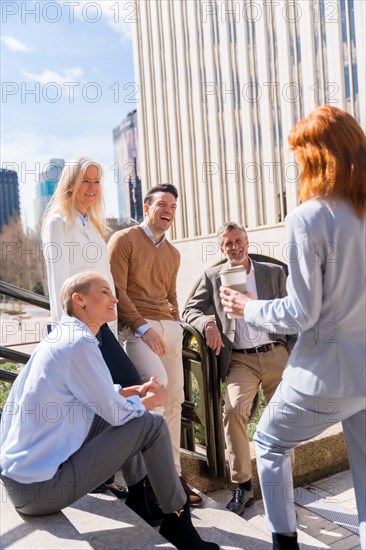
(246, 373)
(167, 369)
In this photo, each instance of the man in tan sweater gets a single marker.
(144, 266)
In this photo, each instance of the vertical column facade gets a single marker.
(221, 83)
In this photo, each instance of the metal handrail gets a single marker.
(7, 376)
(215, 447)
(13, 355)
(217, 402)
(13, 291)
(28, 296)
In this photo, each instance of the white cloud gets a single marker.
(68, 75)
(15, 45)
(120, 15)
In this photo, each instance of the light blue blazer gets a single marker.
(325, 302)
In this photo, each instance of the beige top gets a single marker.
(145, 277)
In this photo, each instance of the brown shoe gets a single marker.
(193, 499)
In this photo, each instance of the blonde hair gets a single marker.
(330, 147)
(77, 283)
(64, 200)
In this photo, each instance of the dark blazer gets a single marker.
(205, 305)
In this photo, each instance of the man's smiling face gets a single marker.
(159, 215)
(234, 245)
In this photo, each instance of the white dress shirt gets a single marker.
(250, 336)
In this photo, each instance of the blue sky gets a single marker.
(77, 57)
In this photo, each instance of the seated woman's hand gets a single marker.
(156, 397)
(150, 385)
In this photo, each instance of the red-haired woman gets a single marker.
(324, 381)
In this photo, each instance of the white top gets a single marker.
(53, 401)
(249, 336)
(325, 302)
(69, 247)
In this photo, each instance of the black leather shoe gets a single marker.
(241, 499)
(178, 529)
(100, 489)
(119, 491)
(138, 500)
(282, 542)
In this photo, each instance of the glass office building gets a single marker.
(46, 185)
(125, 140)
(9, 196)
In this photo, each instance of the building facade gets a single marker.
(221, 83)
(9, 196)
(46, 185)
(125, 138)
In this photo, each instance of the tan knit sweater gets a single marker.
(144, 276)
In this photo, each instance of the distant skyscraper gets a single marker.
(48, 180)
(125, 139)
(9, 195)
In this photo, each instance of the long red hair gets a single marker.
(330, 147)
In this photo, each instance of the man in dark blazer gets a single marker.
(247, 357)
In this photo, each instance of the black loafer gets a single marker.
(241, 499)
(100, 489)
(119, 492)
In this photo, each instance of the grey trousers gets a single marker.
(141, 446)
(289, 419)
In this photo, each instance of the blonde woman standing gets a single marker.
(74, 229)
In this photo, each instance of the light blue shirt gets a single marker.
(53, 402)
(84, 219)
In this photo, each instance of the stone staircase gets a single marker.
(102, 522)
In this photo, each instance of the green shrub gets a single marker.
(199, 429)
(5, 387)
(253, 424)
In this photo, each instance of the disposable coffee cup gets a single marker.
(235, 278)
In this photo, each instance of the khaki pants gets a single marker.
(246, 373)
(167, 369)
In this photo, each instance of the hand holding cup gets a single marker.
(235, 279)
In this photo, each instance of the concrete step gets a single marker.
(94, 522)
(99, 521)
(245, 532)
